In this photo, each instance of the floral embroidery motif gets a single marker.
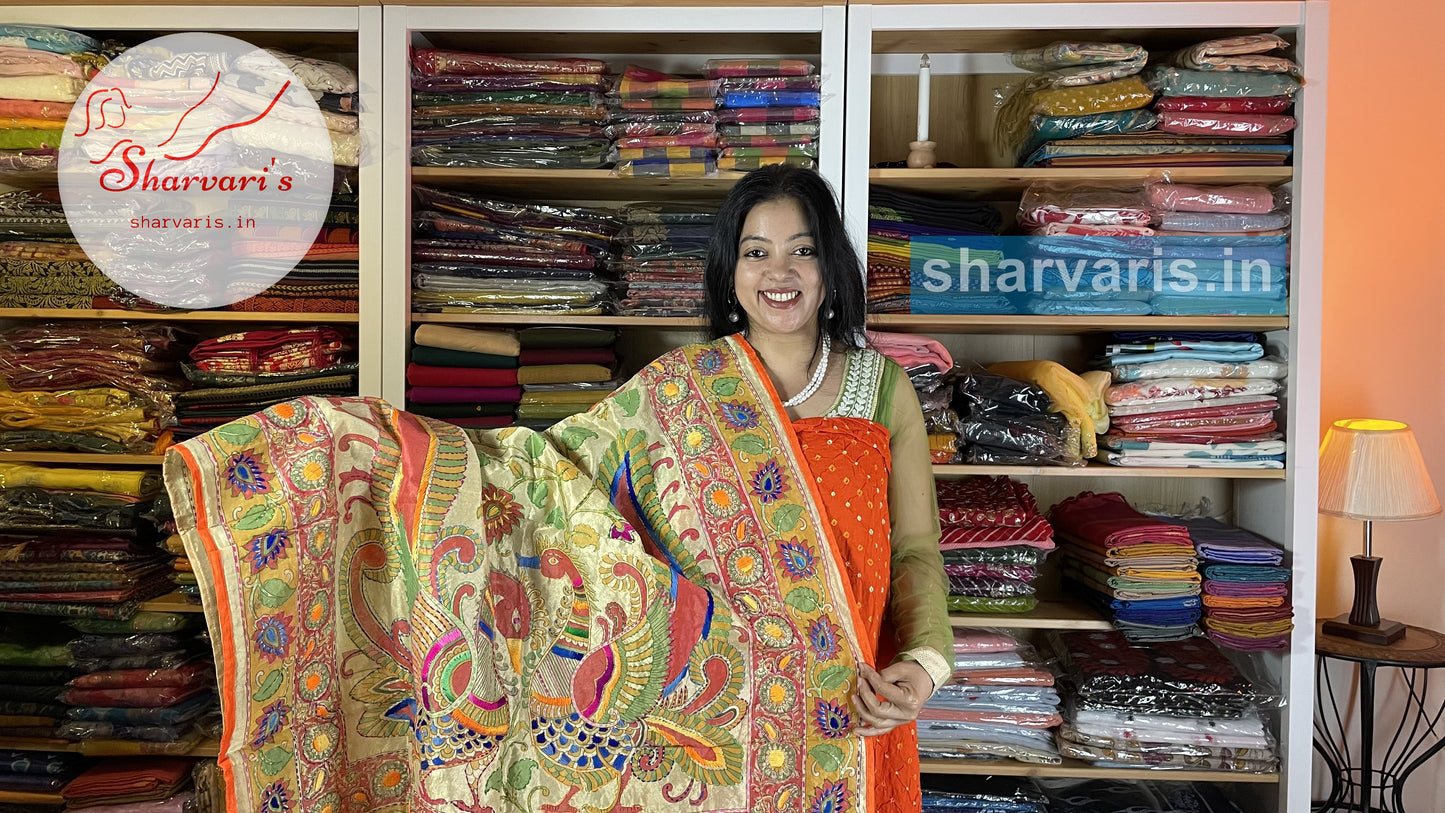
(769, 482)
(795, 558)
(710, 362)
(833, 720)
(823, 636)
(267, 547)
(244, 476)
(275, 799)
(499, 512)
(831, 798)
(270, 722)
(738, 415)
(273, 635)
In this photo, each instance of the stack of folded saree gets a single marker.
(477, 255)
(1075, 89)
(465, 376)
(123, 785)
(564, 371)
(240, 373)
(43, 71)
(1174, 704)
(42, 265)
(325, 280)
(1000, 703)
(664, 125)
(39, 361)
(1192, 401)
(984, 794)
(253, 82)
(769, 98)
(1034, 412)
(75, 541)
(982, 520)
(896, 222)
(1246, 587)
(38, 771)
(481, 110)
(35, 664)
(142, 687)
(1140, 571)
(660, 254)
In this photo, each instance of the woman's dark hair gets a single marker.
(838, 262)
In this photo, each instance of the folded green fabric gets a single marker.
(438, 357)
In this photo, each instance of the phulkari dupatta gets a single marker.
(639, 608)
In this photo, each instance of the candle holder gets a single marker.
(920, 154)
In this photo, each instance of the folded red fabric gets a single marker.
(580, 355)
(1108, 521)
(420, 375)
(124, 776)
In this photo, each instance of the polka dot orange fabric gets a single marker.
(849, 461)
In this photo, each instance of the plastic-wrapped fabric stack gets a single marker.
(43, 71)
(252, 83)
(131, 785)
(1006, 421)
(1192, 400)
(163, 517)
(238, 374)
(1225, 102)
(664, 125)
(75, 541)
(1138, 570)
(482, 110)
(895, 220)
(767, 107)
(660, 256)
(1076, 90)
(464, 376)
(1174, 704)
(472, 254)
(35, 665)
(1135, 795)
(38, 771)
(564, 371)
(41, 265)
(983, 794)
(930, 370)
(144, 682)
(1246, 588)
(1000, 703)
(993, 540)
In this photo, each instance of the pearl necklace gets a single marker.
(818, 374)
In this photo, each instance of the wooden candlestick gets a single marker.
(920, 154)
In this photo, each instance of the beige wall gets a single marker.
(1384, 291)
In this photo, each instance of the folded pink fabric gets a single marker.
(911, 350)
(993, 718)
(1234, 124)
(464, 395)
(1243, 644)
(1215, 587)
(1035, 533)
(1247, 199)
(1085, 230)
(1107, 522)
(1223, 104)
(971, 641)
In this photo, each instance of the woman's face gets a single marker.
(778, 280)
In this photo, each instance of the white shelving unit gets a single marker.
(354, 28)
(669, 38)
(968, 43)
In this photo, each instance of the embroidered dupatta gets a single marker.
(639, 607)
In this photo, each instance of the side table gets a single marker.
(1355, 785)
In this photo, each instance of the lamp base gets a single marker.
(1386, 633)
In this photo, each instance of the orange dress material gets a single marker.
(896, 579)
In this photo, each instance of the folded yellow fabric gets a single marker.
(127, 483)
(549, 412)
(1071, 396)
(1086, 100)
(100, 411)
(1099, 382)
(469, 340)
(583, 397)
(564, 374)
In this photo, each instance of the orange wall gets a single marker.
(1384, 290)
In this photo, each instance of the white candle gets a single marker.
(923, 77)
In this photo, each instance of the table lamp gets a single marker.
(1371, 470)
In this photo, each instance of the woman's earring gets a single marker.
(831, 314)
(733, 307)
(732, 316)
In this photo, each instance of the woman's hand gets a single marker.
(903, 687)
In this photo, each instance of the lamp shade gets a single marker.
(1372, 470)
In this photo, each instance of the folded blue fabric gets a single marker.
(1226, 544)
(1218, 306)
(771, 98)
(1074, 307)
(1249, 574)
(960, 304)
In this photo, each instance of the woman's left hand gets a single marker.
(903, 687)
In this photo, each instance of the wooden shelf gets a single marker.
(83, 459)
(101, 748)
(1104, 470)
(1036, 325)
(26, 797)
(655, 322)
(179, 316)
(576, 184)
(1049, 615)
(170, 603)
(992, 181)
(1073, 768)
